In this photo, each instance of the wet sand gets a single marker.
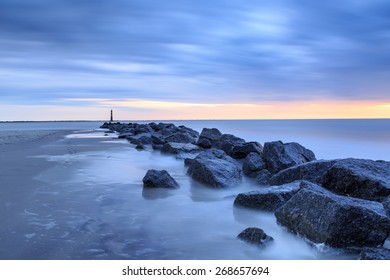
(21, 164)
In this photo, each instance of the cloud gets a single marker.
(194, 51)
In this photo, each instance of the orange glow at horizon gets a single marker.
(270, 110)
(132, 109)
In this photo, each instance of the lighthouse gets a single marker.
(111, 117)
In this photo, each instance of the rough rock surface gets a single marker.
(362, 178)
(216, 169)
(268, 199)
(375, 254)
(339, 221)
(212, 135)
(255, 236)
(253, 163)
(178, 148)
(242, 150)
(227, 142)
(386, 205)
(159, 179)
(313, 171)
(279, 156)
(263, 177)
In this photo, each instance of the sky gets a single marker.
(194, 59)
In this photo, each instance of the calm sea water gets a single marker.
(91, 204)
(329, 139)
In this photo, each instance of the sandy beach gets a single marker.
(27, 200)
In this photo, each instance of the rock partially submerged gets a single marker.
(279, 156)
(216, 169)
(179, 148)
(313, 171)
(253, 164)
(267, 199)
(375, 254)
(338, 221)
(255, 236)
(159, 179)
(361, 178)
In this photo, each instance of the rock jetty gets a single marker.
(343, 203)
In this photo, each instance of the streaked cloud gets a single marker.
(194, 52)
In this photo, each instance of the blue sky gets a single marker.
(149, 59)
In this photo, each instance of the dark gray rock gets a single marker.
(375, 254)
(204, 143)
(178, 148)
(159, 179)
(242, 150)
(279, 156)
(338, 221)
(211, 134)
(181, 137)
(386, 205)
(193, 133)
(362, 178)
(143, 140)
(215, 168)
(140, 147)
(227, 142)
(267, 199)
(255, 236)
(313, 171)
(253, 163)
(157, 139)
(263, 177)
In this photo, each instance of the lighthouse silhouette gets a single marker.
(111, 117)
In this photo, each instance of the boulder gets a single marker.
(313, 171)
(279, 156)
(263, 177)
(159, 179)
(253, 163)
(181, 137)
(242, 150)
(267, 199)
(255, 236)
(338, 221)
(204, 143)
(215, 168)
(145, 139)
(361, 178)
(386, 205)
(227, 142)
(210, 134)
(375, 254)
(178, 148)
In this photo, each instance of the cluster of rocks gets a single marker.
(342, 203)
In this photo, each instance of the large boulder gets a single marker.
(279, 156)
(263, 177)
(227, 142)
(181, 137)
(215, 168)
(253, 163)
(159, 179)
(267, 199)
(179, 148)
(362, 178)
(313, 171)
(255, 236)
(386, 205)
(338, 221)
(242, 150)
(209, 135)
(375, 254)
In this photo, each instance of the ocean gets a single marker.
(89, 202)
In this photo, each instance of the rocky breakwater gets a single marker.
(342, 203)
